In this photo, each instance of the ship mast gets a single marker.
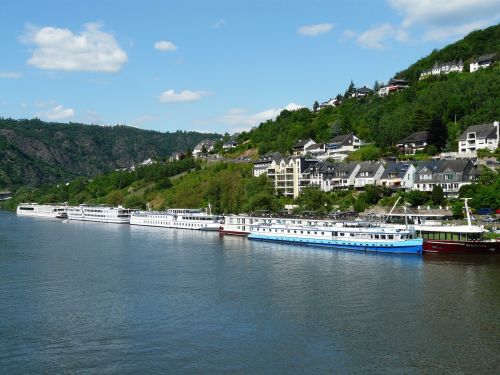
(467, 211)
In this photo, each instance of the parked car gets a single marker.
(489, 219)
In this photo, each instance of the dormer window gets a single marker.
(471, 135)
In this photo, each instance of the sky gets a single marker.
(210, 66)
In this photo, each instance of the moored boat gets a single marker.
(456, 239)
(58, 211)
(180, 218)
(103, 214)
(342, 236)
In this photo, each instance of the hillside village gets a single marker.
(328, 165)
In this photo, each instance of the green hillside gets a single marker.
(34, 152)
(445, 105)
(477, 43)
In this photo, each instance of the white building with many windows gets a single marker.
(287, 176)
(477, 137)
(451, 175)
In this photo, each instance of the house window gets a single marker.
(426, 177)
(449, 176)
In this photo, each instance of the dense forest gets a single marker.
(34, 152)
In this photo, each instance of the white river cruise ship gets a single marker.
(42, 210)
(103, 214)
(342, 236)
(180, 218)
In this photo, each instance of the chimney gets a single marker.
(497, 125)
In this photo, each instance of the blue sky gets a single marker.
(220, 66)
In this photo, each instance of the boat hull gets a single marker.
(233, 232)
(461, 247)
(413, 246)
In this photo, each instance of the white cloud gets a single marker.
(165, 45)
(446, 18)
(219, 23)
(57, 113)
(314, 30)
(170, 96)
(240, 120)
(435, 19)
(378, 36)
(11, 75)
(61, 49)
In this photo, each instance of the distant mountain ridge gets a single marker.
(34, 152)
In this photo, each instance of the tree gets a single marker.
(457, 210)
(315, 106)
(350, 90)
(114, 198)
(437, 195)
(376, 86)
(416, 197)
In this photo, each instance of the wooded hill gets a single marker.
(34, 152)
(477, 43)
(445, 105)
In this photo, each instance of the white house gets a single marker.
(260, 166)
(394, 85)
(198, 149)
(483, 62)
(333, 102)
(398, 176)
(362, 92)
(476, 137)
(301, 145)
(344, 143)
(369, 173)
(444, 68)
(417, 141)
(230, 144)
(316, 149)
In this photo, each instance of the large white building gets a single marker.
(483, 62)
(477, 137)
(287, 174)
(443, 68)
(451, 175)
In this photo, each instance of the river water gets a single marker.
(82, 298)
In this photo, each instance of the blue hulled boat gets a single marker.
(342, 236)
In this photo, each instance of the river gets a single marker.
(80, 298)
